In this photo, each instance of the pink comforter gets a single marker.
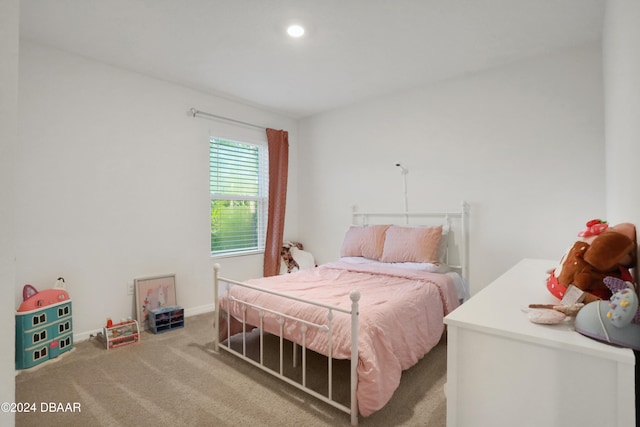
(401, 318)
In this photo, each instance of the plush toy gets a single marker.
(623, 305)
(287, 258)
(602, 251)
(294, 258)
(616, 321)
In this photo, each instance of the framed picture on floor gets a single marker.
(153, 292)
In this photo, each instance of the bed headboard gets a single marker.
(458, 223)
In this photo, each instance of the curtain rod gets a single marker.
(194, 112)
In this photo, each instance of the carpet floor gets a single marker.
(176, 379)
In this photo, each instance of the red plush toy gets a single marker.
(594, 227)
(603, 251)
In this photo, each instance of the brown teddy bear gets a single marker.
(589, 261)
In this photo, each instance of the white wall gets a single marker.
(112, 184)
(621, 52)
(111, 181)
(9, 12)
(523, 144)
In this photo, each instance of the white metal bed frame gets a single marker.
(360, 218)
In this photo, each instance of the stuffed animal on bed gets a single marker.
(610, 251)
(294, 258)
(287, 258)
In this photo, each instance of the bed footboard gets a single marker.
(304, 326)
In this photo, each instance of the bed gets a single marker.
(384, 299)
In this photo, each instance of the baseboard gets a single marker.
(194, 311)
(83, 336)
(188, 312)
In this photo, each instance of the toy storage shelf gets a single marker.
(43, 334)
(123, 333)
(166, 319)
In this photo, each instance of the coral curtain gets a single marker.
(278, 173)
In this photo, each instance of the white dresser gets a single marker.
(503, 370)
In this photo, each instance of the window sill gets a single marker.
(236, 254)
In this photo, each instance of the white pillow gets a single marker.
(357, 260)
(421, 266)
(303, 258)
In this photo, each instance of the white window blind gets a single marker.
(238, 183)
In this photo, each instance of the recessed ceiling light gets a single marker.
(295, 31)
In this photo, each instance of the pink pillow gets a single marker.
(412, 244)
(366, 241)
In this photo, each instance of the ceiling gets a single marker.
(353, 50)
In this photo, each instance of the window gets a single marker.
(65, 342)
(238, 186)
(38, 319)
(40, 354)
(39, 336)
